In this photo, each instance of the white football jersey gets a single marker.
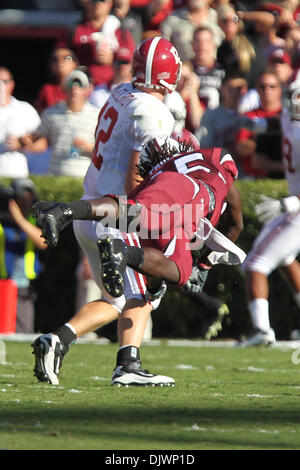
(128, 119)
(291, 151)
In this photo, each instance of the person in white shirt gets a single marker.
(133, 114)
(122, 74)
(68, 128)
(17, 118)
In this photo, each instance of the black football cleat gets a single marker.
(52, 220)
(112, 254)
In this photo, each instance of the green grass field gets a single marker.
(224, 398)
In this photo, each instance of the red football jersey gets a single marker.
(185, 181)
(213, 166)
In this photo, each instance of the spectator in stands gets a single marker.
(180, 25)
(237, 51)
(86, 7)
(154, 15)
(188, 87)
(94, 42)
(122, 74)
(288, 27)
(281, 61)
(17, 118)
(68, 127)
(260, 155)
(129, 20)
(151, 13)
(266, 22)
(20, 242)
(219, 126)
(206, 67)
(62, 61)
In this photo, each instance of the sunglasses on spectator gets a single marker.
(263, 86)
(233, 19)
(66, 58)
(278, 61)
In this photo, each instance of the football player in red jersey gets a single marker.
(156, 206)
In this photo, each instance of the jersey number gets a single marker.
(184, 164)
(109, 115)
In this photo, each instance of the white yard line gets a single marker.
(230, 343)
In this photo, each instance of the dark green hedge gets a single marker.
(177, 316)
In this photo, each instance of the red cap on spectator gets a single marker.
(279, 55)
(122, 55)
(271, 8)
(297, 15)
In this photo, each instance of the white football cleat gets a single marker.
(49, 353)
(259, 338)
(132, 374)
(295, 335)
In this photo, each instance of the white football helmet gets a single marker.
(294, 100)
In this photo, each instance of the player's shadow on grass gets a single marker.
(178, 426)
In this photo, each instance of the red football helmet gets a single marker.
(156, 64)
(188, 137)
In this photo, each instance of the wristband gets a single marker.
(290, 204)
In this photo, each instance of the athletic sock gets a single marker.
(127, 354)
(259, 312)
(81, 210)
(66, 334)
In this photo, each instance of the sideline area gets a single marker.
(224, 343)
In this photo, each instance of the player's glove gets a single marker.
(196, 281)
(156, 294)
(269, 208)
(52, 219)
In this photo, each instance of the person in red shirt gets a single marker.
(260, 155)
(94, 42)
(62, 61)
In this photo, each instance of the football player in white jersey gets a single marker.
(278, 244)
(133, 114)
